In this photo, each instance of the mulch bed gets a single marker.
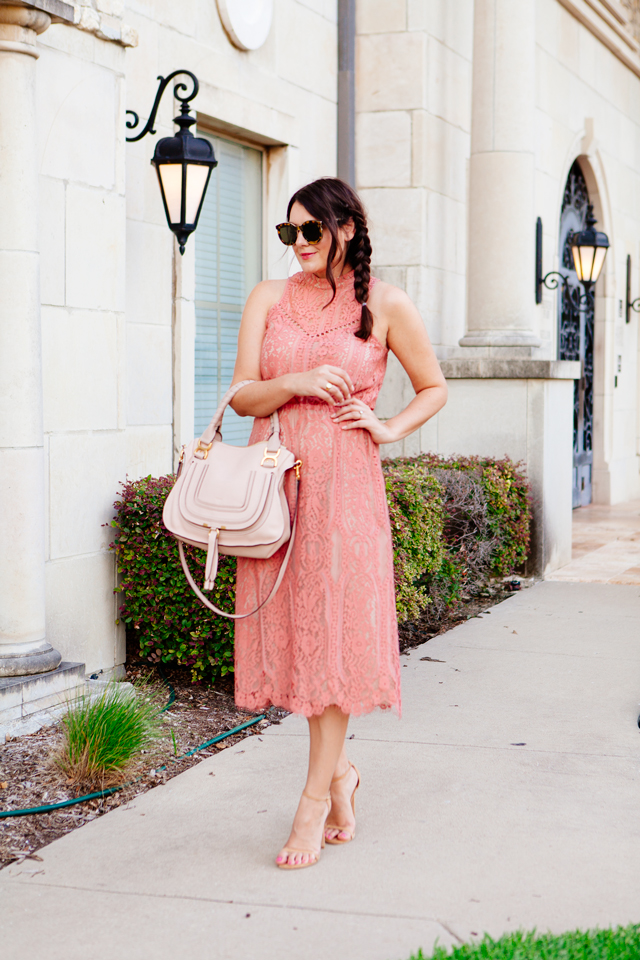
(30, 778)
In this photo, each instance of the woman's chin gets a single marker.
(311, 264)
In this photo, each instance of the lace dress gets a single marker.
(330, 634)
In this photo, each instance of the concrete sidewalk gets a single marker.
(506, 797)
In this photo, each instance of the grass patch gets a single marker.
(622, 943)
(104, 735)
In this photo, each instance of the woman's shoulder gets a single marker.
(267, 293)
(386, 297)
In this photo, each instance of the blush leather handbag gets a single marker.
(231, 500)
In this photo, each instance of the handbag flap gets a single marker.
(230, 489)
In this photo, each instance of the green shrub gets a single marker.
(508, 505)
(486, 508)
(171, 624)
(104, 734)
(454, 523)
(621, 943)
(415, 512)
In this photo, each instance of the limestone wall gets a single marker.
(414, 101)
(117, 299)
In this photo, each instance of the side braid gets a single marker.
(334, 202)
(359, 256)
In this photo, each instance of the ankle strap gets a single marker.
(342, 775)
(317, 799)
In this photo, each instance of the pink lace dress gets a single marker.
(330, 634)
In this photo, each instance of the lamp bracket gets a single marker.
(162, 86)
(553, 279)
(631, 304)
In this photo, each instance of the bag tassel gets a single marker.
(211, 567)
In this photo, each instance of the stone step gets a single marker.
(30, 702)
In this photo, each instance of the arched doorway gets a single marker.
(575, 335)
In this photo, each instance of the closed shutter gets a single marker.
(228, 265)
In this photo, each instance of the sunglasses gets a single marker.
(311, 230)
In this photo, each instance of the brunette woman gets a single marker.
(316, 346)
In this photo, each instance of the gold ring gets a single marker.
(328, 385)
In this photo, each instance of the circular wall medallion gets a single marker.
(246, 21)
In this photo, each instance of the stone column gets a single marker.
(23, 646)
(501, 295)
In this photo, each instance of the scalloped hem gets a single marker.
(259, 704)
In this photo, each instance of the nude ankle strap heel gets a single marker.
(312, 853)
(332, 826)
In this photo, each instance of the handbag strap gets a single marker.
(211, 573)
(214, 427)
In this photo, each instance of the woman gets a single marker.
(316, 346)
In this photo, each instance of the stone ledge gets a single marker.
(461, 368)
(83, 15)
(59, 11)
(26, 703)
(104, 26)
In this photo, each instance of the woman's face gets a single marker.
(313, 257)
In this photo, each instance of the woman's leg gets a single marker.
(326, 744)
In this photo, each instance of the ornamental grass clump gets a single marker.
(620, 943)
(104, 734)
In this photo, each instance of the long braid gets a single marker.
(359, 256)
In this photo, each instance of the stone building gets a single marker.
(461, 124)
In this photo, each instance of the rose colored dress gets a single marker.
(330, 634)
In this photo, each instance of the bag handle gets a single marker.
(212, 567)
(209, 434)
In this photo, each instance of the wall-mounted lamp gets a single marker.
(631, 304)
(183, 162)
(588, 248)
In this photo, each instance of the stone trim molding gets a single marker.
(607, 21)
(58, 10)
(19, 27)
(104, 26)
(37, 15)
(461, 368)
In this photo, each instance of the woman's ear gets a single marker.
(348, 229)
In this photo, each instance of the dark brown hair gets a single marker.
(334, 202)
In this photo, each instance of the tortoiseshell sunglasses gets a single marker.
(311, 230)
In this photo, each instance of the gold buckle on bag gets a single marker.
(273, 456)
(203, 448)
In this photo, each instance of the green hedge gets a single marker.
(455, 523)
(485, 509)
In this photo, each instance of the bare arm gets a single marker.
(398, 319)
(261, 398)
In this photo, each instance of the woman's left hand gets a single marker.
(356, 415)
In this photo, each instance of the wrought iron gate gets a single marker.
(575, 328)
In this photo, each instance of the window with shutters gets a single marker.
(228, 246)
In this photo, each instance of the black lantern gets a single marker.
(589, 248)
(183, 162)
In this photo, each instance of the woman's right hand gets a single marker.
(331, 384)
